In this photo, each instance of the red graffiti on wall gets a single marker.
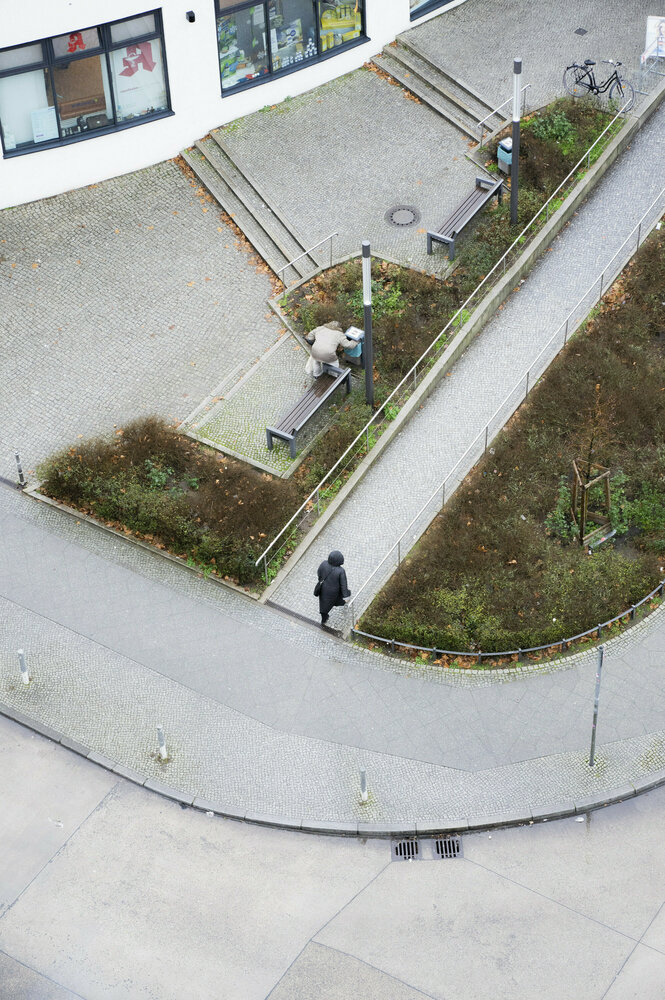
(138, 55)
(75, 41)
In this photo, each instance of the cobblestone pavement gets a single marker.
(547, 43)
(419, 458)
(265, 715)
(123, 299)
(237, 422)
(359, 165)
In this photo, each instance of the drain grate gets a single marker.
(580, 31)
(434, 849)
(405, 850)
(447, 847)
(402, 216)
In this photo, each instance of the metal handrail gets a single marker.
(411, 374)
(496, 110)
(526, 374)
(295, 260)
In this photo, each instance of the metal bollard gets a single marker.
(21, 478)
(25, 676)
(363, 785)
(162, 743)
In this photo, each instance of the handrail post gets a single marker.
(527, 385)
(487, 427)
(639, 233)
(601, 286)
(318, 504)
(265, 567)
(399, 551)
(331, 239)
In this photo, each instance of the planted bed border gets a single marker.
(473, 325)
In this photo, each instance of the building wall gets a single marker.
(193, 69)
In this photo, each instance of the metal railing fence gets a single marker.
(306, 253)
(562, 644)
(328, 486)
(485, 135)
(593, 295)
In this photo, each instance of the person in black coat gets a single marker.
(332, 588)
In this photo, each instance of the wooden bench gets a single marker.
(307, 405)
(484, 190)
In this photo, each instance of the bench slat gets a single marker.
(297, 417)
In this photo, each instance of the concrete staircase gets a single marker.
(455, 101)
(242, 199)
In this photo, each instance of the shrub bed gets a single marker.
(501, 567)
(163, 487)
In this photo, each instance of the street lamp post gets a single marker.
(368, 350)
(514, 167)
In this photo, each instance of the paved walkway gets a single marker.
(264, 715)
(420, 457)
(108, 892)
(482, 54)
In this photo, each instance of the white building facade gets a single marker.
(90, 89)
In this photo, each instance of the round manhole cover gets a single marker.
(402, 215)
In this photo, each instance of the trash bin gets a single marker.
(354, 354)
(504, 155)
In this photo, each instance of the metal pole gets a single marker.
(399, 551)
(514, 166)
(21, 477)
(639, 233)
(363, 785)
(25, 676)
(486, 433)
(601, 653)
(600, 294)
(368, 349)
(565, 336)
(163, 753)
(265, 566)
(527, 385)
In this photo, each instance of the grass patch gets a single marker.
(501, 567)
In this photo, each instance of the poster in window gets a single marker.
(44, 124)
(138, 79)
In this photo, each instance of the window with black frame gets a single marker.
(69, 87)
(258, 40)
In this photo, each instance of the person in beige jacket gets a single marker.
(326, 341)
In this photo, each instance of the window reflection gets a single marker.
(241, 38)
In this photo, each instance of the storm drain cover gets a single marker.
(447, 847)
(580, 31)
(405, 850)
(402, 215)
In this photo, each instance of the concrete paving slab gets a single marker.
(655, 934)
(440, 920)
(18, 982)
(322, 973)
(250, 921)
(641, 978)
(557, 860)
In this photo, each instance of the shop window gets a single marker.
(258, 40)
(27, 110)
(243, 53)
(94, 79)
(83, 93)
(139, 81)
(292, 32)
(23, 55)
(339, 23)
(135, 27)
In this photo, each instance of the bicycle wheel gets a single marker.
(622, 94)
(576, 81)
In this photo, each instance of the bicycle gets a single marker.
(579, 80)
